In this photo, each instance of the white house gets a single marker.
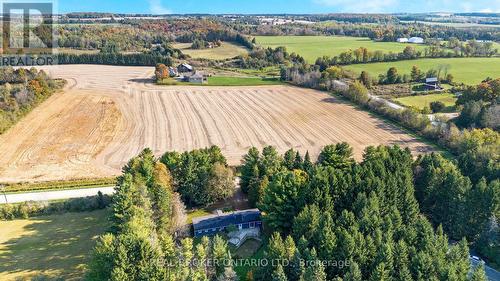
(416, 40)
(402, 40)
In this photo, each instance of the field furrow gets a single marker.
(108, 114)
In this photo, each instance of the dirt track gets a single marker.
(108, 114)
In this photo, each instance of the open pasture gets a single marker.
(465, 70)
(423, 101)
(56, 246)
(226, 51)
(312, 47)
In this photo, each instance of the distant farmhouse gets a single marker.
(240, 220)
(432, 84)
(402, 40)
(198, 77)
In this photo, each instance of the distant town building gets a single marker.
(416, 40)
(213, 224)
(184, 67)
(402, 40)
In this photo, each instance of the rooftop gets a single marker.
(226, 219)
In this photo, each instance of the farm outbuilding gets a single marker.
(416, 40)
(184, 67)
(213, 224)
(198, 77)
(402, 40)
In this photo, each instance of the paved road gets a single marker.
(53, 195)
(492, 274)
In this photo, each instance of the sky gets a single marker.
(276, 6)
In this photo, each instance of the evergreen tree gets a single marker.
(338, 156)
(307, 165)
(478, 274)
(279, 274)
(354, 273)
(281, 200)
(298, 162)
(250, 168)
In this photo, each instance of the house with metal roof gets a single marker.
(184, 67)
(213, 224)
(432, 84)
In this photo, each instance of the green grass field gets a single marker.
(226, 51)
(424, 100)
(466, 70)
(312, 47)
(226, 81)
(52, 246)
(241, 81)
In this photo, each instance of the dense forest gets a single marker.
(382, 32)
(21, 90)
(148, 221)
(369, 214)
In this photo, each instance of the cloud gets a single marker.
(356, 6)
(155, 7)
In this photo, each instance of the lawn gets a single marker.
(226, 51)
(312, 47)
(250, 251)
(424, 100)
(466, 70)
(196, 214)
(241, 81)
(227, 81)
(52, 246)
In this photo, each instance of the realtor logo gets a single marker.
(28, 36)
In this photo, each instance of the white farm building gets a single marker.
(416, 40)
(402, 40)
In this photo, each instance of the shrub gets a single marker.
(437, 106)
(31, 209)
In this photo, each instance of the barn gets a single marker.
(184, 67)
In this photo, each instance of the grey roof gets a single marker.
(431, 79)
(186, 66)
(197, 75)
(226, 219)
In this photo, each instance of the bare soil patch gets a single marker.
(108, 114)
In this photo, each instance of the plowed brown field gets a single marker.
(108, 114)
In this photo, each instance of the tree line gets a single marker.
(379, 32)
(21, 90)
(363, 214)
(139, 59)
(26, 210)
(264, 57)
(480, 107)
